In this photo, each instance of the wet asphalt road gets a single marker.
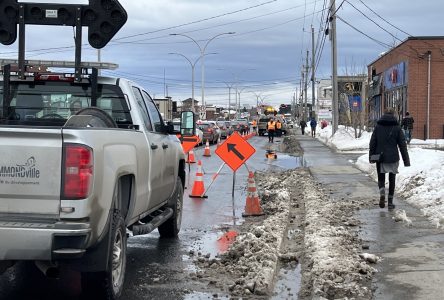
(157, 268)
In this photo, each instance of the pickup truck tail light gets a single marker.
(77, 171)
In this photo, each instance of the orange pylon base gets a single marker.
(207, 152)
(190, 158)
(198, 186)
(252, 206)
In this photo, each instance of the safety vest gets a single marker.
(278, 125)
(271, 125)
(254, 123)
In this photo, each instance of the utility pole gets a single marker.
(334, 67)
(301, 82)
(99, 59)
(306, 85)
(312, 71)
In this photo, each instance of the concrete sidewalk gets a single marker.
(412, 265)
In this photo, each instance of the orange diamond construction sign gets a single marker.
(235, 151)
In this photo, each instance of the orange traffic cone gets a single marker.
(252, 205)
(190, 157)
(207, 151)
(218, 142)
(198, 186)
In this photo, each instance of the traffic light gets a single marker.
(9, 14)
(104, 19)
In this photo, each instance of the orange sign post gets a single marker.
(235, 151)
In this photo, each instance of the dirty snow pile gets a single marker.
(249, 265)
(332, 249)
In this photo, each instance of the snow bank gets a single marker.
(420, 184)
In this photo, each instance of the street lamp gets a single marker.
(192, 74)
(239, 91)
(236, 82)
(229, 86)
(257, 95)
(202, 54)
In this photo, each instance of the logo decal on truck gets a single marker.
(27, 170)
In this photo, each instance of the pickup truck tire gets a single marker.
(109, 284)
(104, 120)
(171, 227)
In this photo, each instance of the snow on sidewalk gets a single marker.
(420, 184)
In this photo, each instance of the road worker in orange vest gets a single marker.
(278, 128)
(254, 124)
(271, 127)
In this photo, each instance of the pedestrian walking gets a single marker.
(313, 125)
(386, 138)
(303, 124)
(271, 128)
(407, 126)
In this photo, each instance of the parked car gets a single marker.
(210, 131)
(289, 122)
(235, 126)
(198, 132)
(223, 129)
(214, 123)
(229, 129)
(245, 127)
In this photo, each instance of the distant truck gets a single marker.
(263, 121)
(76, 178)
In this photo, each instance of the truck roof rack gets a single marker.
(61, 64)
(104, 18)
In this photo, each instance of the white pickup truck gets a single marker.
(83, 165)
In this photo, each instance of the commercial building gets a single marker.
(410, 78)
(165, 107)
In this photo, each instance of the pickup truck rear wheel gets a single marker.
(171, 227)
(109, 284)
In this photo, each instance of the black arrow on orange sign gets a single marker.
(232, 148)
(189, 139)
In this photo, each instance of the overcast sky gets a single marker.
(263, 58)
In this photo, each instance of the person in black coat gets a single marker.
(303, 124)
(386, 138)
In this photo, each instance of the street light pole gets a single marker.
(229, 86)
(193, 65)
(202, 54)
(257, 95)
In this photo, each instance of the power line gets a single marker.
(197, 21)
(361, 32)
(373, 21)
(228, 23)
(384, 19)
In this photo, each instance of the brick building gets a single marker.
(410, 77)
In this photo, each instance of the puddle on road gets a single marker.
(212, 244)
(201, 296)
(288, 283)
(286, 162)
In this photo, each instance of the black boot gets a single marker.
(382, 197)
(390, 202)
